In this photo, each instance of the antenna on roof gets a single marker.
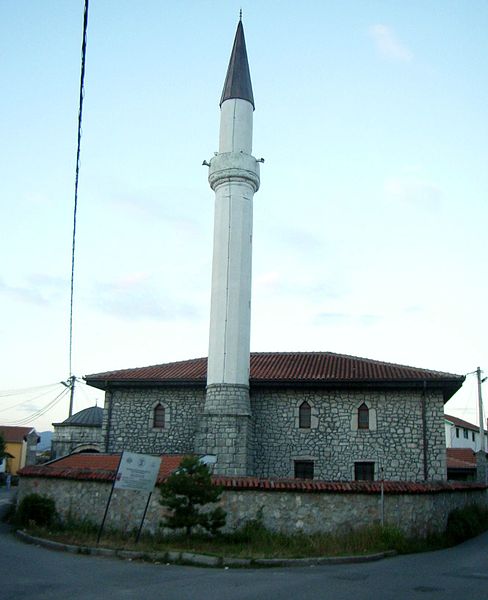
(240, 14)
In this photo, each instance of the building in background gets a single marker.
(462, 434)
(82, 432)
(21, 445)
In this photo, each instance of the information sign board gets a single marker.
(137, 472)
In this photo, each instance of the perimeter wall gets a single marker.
(417, 509)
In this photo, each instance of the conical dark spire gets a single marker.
(238, 80)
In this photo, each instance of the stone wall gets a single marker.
(128, 419)
(67, 438)
(416, 513)
(225, 429)
(395, 443)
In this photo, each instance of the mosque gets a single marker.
(312, 415)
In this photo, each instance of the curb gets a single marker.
(202, 560)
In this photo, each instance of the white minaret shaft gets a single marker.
(225, 425)
(234, 176)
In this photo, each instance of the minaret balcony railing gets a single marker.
(233, 167)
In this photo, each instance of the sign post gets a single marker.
(137, 472)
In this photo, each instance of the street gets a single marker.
(30, 571)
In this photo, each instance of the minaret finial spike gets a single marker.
(240, 14)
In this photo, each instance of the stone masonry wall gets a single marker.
(128, 419)
(272, 437)
(285, 511)
(225, 429)
(67, 438)
(394, 441)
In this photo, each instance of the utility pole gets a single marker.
(70, 384)
(480, 409)
(72, 380)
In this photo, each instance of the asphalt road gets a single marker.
(28, 571)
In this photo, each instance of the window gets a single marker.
(304, 469)
(363, 417)
(457, 432)
(364, 471)
(305, 416)
(472, 433)
(158, 417)
(465, 433)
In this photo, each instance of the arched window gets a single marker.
(363, 417)
(158, 417)
(305, 415)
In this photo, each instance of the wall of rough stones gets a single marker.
(128, 419)
(285, 511)
(225, 429)
(67, 438)
(394, 442)
(334, 444)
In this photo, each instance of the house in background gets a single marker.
(461, 464)
(82, 432)
(462, 434)
(21, 444)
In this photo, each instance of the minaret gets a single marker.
(225, 427)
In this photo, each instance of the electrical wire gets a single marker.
(80, 116)
(27, 400)
(42, 411)
(17, 392)
(71, 379)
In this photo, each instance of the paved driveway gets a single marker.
(30, 571)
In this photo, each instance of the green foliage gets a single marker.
(36, 509)
(465, 523)
(185, 491)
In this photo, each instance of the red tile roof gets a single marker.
(461, 458)
(461, 423)
(102, 467)
(14, 434)
(286, 368)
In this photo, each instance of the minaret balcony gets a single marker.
(229, 167)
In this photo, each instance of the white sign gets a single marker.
(137, 472)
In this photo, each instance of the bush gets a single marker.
(36, 509)
(465, 523)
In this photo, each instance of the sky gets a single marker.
(369, 228)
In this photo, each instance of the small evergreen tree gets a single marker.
(185, 491)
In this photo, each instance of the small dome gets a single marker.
(89, 416)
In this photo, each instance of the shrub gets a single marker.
(36, 509)
(184, 491)
(464, 523)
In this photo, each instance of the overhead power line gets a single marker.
(29, 399)
(75, 209)
(18, 392)
(42, 411)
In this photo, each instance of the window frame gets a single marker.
(157, 427)
(361, 467)
(303, 465)
(363, 421)
(305, 415)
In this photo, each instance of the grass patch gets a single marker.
(252, 541)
